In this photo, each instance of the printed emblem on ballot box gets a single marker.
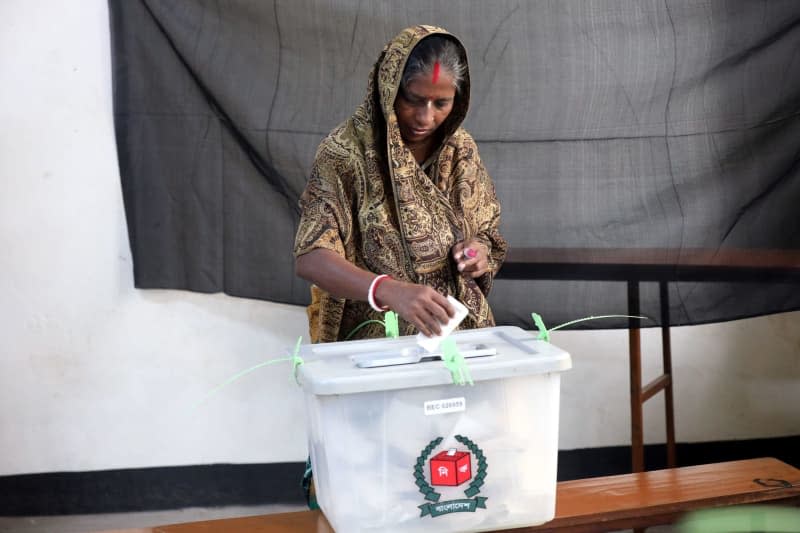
(450, 468)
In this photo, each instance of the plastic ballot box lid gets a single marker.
(350, 367)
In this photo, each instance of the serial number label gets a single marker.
(448, 405)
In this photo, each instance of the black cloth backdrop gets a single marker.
(605, 124)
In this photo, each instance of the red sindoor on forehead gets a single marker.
(436, 68)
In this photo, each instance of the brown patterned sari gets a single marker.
(368, 200)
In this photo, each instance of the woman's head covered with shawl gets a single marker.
(396, 67)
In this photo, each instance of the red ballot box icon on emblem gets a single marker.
(450, 468)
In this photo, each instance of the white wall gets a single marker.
(733, 380)
(95, 374)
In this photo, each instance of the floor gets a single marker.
(101, 522)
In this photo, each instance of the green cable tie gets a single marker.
(235, 377)
(595, 318)
(391, 325)
(455, 362)
(358, 327)
(296, 359)
(544, 335)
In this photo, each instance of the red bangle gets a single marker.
(373, 287)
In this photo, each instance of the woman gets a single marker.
(399, 211)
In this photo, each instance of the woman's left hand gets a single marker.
(471, 257)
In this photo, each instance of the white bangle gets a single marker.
(371, 293)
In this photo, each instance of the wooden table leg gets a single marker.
(666, 354)
(635, 364)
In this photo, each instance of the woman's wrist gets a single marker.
(383, 291)
(373, 289)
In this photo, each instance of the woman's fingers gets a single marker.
(472, 266)
(432, 326)
(457, 251)
(420, 305)
(478, 269)
(426, 323)
(433, 312)
(471, 258)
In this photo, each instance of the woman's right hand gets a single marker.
(420, 305)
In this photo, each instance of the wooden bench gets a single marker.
(659, 497)
(609, 503)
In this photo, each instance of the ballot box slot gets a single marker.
(417, 354)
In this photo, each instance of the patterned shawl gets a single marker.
(369, 200)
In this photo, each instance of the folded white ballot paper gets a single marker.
(431, 344)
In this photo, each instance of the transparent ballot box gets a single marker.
(396, 446)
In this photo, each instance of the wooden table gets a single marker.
(590, 505)
(637, 265)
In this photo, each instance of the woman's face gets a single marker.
(423, 106)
